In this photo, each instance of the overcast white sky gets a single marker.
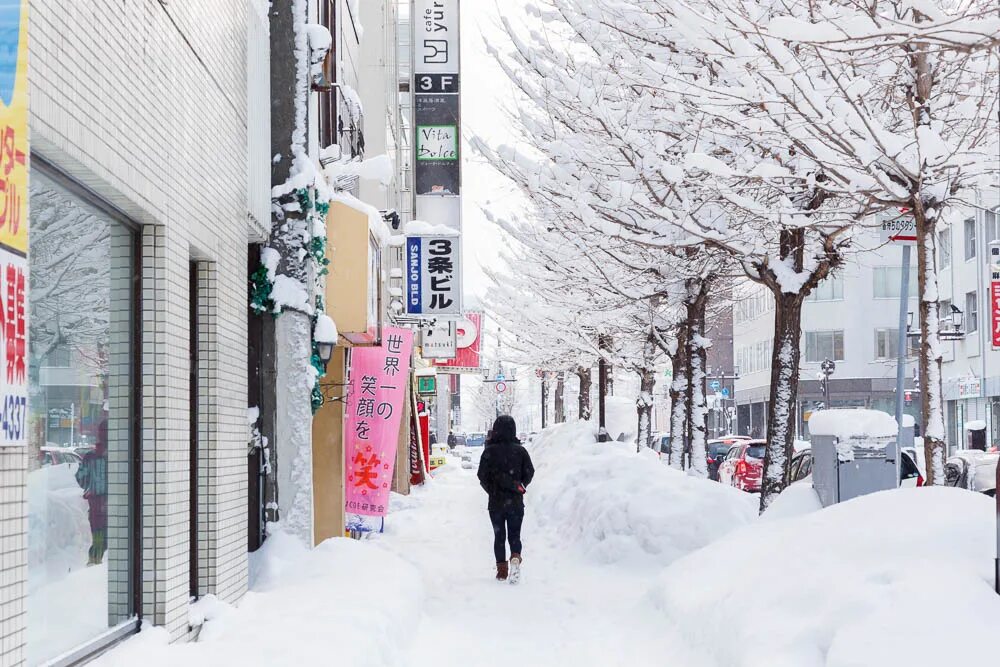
(485, 89)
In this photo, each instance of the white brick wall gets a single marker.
(145, 103)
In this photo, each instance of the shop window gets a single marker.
(81, 428)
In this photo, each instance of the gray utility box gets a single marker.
(854, 453)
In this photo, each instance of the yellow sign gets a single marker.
(14, 126)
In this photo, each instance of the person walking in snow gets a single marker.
(505, 471)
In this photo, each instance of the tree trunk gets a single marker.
(925, 213)
(784, 374)
(931, 405)
(583, 401)
(697, 362)
(679, 398)
(602, 390)
(644, 408)
(560, 402)
(644, 402)
(545, 399)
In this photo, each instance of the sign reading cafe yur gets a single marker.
(436, 106)
(433, 275)
(13, 220)
(374, 406)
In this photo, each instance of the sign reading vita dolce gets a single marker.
(433, 275)
(374, 412)
(437, 112)
(13, 220)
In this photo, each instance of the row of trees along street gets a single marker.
(679, 145)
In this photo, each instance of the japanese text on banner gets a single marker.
(378, 380)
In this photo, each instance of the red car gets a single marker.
(744, 465)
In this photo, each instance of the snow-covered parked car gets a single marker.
(972, 469)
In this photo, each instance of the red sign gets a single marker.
(469, 339)
(995, 311)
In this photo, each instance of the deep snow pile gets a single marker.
(901, 577)
(349, 602)
(615, 505)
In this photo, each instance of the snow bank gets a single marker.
(901, 577)
(846, 424)
(349, 601)
(614, 505)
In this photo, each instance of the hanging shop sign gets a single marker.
(433, 275)
(970, 387)
(995, 294)
(438, 339)
(374, 411)
(13, 221)
(426, 385)
(436, 112)
(469, 341)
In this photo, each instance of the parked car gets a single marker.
(55, 455)
(716, 450)
(973, 469)
(475, 440)
(743, 465)
(802, 464)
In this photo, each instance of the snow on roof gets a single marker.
(975, 425)
(421, 228)
(849, 423)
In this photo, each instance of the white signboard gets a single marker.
(433, 275)
(438, 339)
(435, 29)
(900, 231)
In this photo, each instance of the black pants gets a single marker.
(506, 525)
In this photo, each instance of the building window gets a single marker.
(755, 357)
(751, 302)
(81, 514)
(822, 345)
(970, 238)
(944, 248)
(887, 279)
(971, 312)
(831, 289)
(992, 225)
(887, 344)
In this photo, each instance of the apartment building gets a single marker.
(851, 319)
(971, 369)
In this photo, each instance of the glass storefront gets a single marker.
(80, 464)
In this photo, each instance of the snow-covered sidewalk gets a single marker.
(627, 562)
(567, 610)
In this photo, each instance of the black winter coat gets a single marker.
(502, 468)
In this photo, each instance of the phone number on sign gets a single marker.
(12, 418)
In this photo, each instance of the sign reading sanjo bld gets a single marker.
(433, 275)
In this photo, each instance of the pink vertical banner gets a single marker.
(374, 412)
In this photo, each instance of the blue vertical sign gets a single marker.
(414, 298)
